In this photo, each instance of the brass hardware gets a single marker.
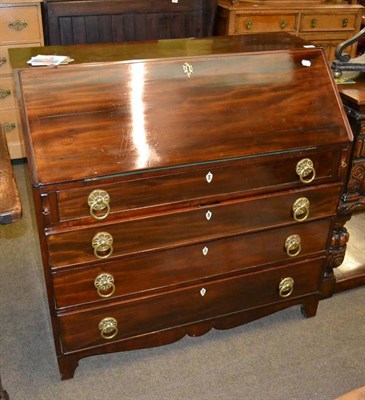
(313, 23)
(301, 209)
(345, 21)
(343, 164)
(188, 69)
(248, 24)
(3, 61)
(104, 283)
(293, 246)
(18, 25)
(305, 170)
(283, 23)
(108, 328)
(4, 93)
(8, 126)
(103, 244)
(286, 287)
(99, 200)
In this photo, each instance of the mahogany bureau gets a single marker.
(181, 185)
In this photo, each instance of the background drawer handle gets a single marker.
(313, 23)
(286, 287)
(305, 170)
(4, 93)
(18, 25)
(248, 24)
(104, 284)
(108, 328)
(98, 200)
(301, 209)
(283, 23)
(3, 61)
(345, 22)
(8, 126)
(103, 244)
(293, 246)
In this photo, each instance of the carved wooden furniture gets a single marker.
(93, 21)
(181, 185)
(353, 200)
(20, 25)
(322, 23)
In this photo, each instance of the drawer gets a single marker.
(20, 24)
(187, 226)
(265, 23)
(5, 65)
(7, 98)
(212, 182)
(197, 303)
(328, 22)
(186, 264)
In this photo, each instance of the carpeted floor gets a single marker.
(283, 356)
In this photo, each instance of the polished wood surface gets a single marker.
(10, 207)
(202, 173)
(94, 21)
(122, 112)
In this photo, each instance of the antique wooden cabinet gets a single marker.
(323, 23)
(20, 25)
(94, 21)
(181, 185)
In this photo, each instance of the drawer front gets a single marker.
(328, 22)
(5, 65)
(265, 23)
(213, 182)
(7, 99)
(181, 228)
(19, 24)
(197, 303)
(186, 264)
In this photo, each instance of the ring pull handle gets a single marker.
(108, 328)
(3, 61)
(17, 25)
(102, 244)
(305, 170)
(293, 245)
(301, 209)
(104, 284)
(8, 126)
(286, 287)
(4, 93)
(99, 200)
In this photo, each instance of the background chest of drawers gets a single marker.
(320, 22)
(192, 188)
(20, 25)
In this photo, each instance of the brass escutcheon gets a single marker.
(293, 246)
(188, 69)
(104, 283)
(108, 328)
(305, 170)
(286, 287)
(102, 243)
(18, 25)
(301, 209)
(98, 200)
